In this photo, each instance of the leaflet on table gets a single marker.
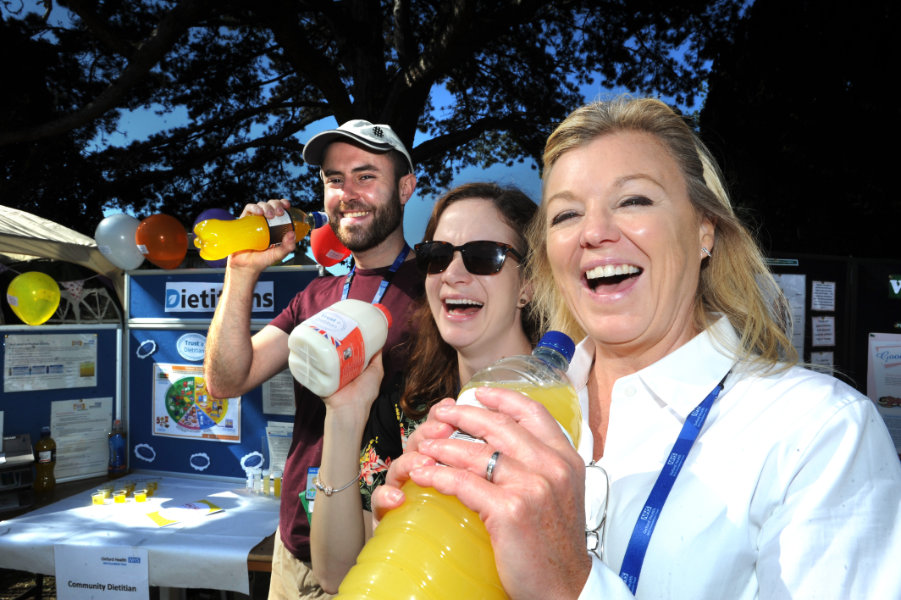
(184, 513)
(183, 409)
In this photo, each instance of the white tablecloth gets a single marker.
(203, 551)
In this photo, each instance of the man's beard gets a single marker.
(385, 219)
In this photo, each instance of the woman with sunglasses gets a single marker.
(474, 312)
(716, 466)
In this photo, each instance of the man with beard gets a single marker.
(368, 177)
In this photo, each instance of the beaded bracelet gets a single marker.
(328, 491)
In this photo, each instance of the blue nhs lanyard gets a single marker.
(385, 281)
(647, 518)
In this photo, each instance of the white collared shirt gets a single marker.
(792, 489)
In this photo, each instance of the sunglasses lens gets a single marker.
(483, 258)
(479, 258)
(434, 257)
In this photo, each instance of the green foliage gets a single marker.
(481, 82)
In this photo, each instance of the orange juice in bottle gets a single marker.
(216, 238)
(433, 547)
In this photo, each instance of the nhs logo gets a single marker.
(203, 296)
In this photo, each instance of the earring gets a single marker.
(706, 251)
(522, 303)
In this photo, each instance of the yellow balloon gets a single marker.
(33, 296)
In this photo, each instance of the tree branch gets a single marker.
(151, 51)
(99, 28)
(441, 144)
(306, 59)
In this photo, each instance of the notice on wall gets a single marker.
(80, 428)
(823, 362)
(884, 380)
(822, 332)
(101, 572)
(49, 362)
(278, 434)
(278, 394)
(183, 409)
(794, 288)
(822, 295)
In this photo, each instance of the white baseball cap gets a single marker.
(380, 138)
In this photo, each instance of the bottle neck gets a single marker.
(551, 357)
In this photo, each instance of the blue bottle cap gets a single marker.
(560, 342)
(319, 219)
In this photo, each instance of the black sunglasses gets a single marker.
(479, 258)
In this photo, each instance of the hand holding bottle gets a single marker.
(258, 261)
(270, 228)
(533, 508)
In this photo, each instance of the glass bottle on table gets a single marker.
(45, 454)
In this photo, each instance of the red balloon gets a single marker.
(327, 248)
(163, 240)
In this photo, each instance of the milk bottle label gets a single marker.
(345, 335)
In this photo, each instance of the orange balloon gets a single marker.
(163, 240)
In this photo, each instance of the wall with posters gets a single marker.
(847, 314)
(173, 424)
(822, 294)
(67, 377)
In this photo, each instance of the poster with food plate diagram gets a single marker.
(182, 407)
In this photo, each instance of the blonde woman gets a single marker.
(716, 467)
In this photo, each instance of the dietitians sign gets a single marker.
(203, 296)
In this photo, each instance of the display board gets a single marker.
(66, 377)
(839, 302)
(174, 425)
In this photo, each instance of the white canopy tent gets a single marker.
(24, 236)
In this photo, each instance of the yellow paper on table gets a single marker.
(185, 512)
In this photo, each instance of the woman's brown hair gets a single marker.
(432, 369)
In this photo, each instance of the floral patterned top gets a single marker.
(384, 439)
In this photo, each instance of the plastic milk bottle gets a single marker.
(332, 347)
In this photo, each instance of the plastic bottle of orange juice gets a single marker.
(432, 547)
(216, 238)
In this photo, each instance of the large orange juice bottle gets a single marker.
(432, 547)
(217, 238)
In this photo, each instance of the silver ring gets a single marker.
(492, 462)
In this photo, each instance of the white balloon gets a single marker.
(115, 237)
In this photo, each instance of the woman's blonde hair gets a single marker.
(734, 282)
